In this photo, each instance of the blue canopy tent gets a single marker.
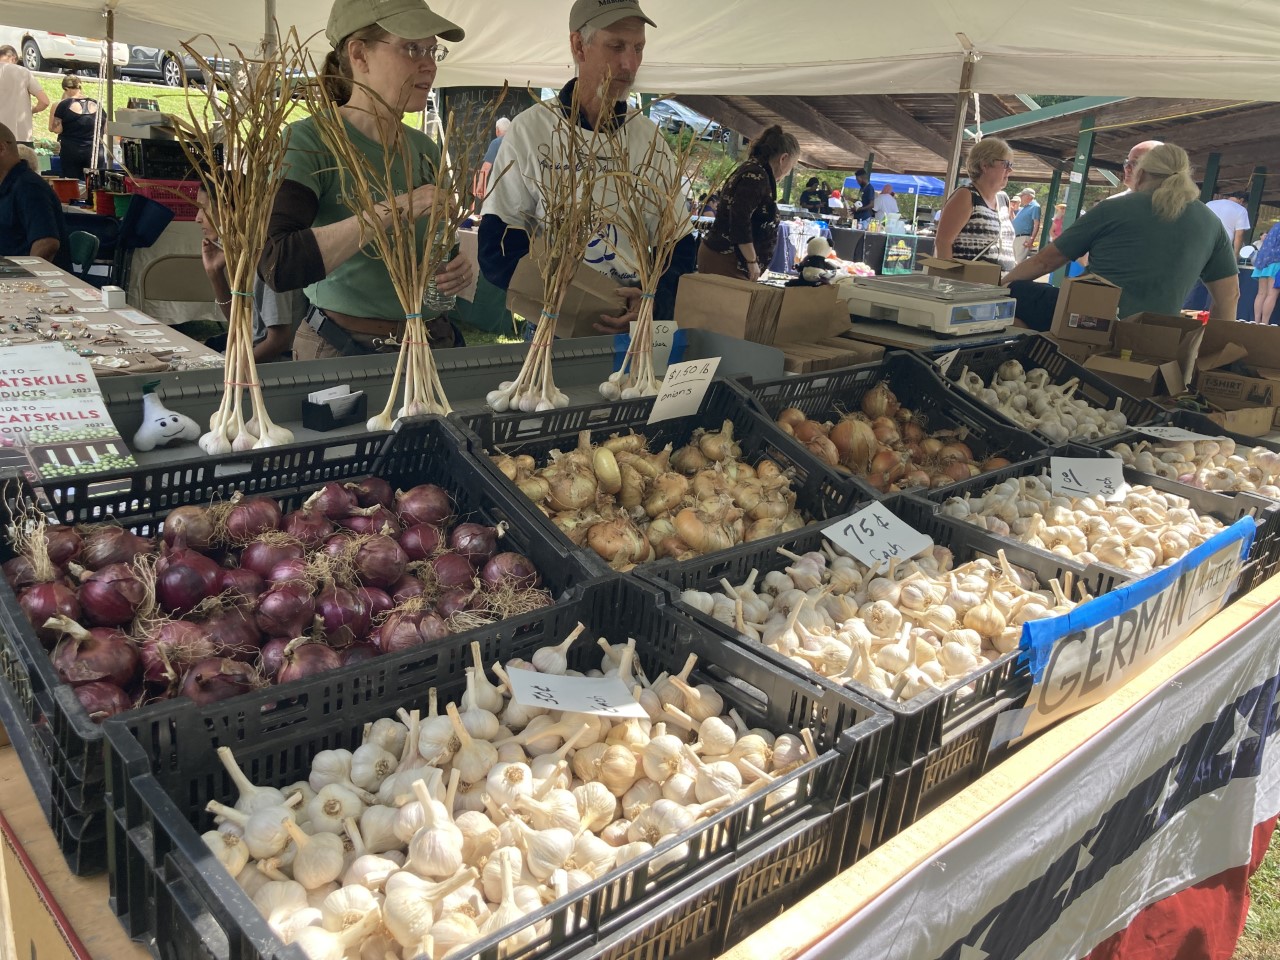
(903, 183)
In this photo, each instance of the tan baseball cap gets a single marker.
(601, 13)
(404, 18)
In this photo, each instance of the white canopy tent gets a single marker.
(1163, 48)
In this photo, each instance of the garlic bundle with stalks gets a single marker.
(892, 630)
(1140, 532)
(1030, 400)
(463, 845)
(1211, 464)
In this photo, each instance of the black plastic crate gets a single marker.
(156, 159)
(916, 384)
(1040, 351)
(72, 743)
(1226, 507)
(163, 769)
(820, 491)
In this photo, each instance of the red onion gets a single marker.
(19, 572)
(286, 610)
(273, 654)
(184, 578)
(111, 596)
(252, 517)
(425, 503)
(307, 527)
(295, 568)
(358, 653)
(64, 544)
(333, 501)
(432, 628)
(373, 492)
(337, 545)
(304, 658)
(406, 588)
(399, 632)
(512, 570)
(379, 561)
(192, 525)
(474, 541)
(215, 679)
(455, 600)
(453, 570)
(262, 555)
(102, 700)
(375, 520)
(234, 634)
(167, 653)
(241, 582)
(344, 614)
(83, 656)
(376, 601)
(421, 541)
(45, 600)
(112, 545)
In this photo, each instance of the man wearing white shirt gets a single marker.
(1235, 218)
(17, 89)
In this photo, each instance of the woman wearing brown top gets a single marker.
(746, 226)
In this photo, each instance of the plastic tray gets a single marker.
(820, 491)
(162, 765)
(178, 195)
(1226, 507)
(1040, 351)
(435, 452)
(916, 384)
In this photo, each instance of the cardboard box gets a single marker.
(590, 295)
(1086, 310)
(1252, 422)
(758, 312)
(970, 271)
(1161, 335)
(32, 921)
(1253, 353)
(1074, 351)
(830, 354)
(1138, 377)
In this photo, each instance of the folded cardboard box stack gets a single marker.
(1151, 355)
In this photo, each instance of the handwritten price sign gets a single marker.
(944, 362)
(684, 389)
(1079, 477)
(875, 535)
(664, 335)
(1174, 434)
(606, 696)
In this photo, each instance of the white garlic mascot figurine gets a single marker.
(160, 426)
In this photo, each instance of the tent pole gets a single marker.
(962, 116)
(269, 40)
(1210, 185)
(1079, 177)
(1257, 181)
(1051, 204)
(110, 68)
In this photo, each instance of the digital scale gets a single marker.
(947, 307)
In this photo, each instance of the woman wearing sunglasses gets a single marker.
(382, 66)
(975, 222)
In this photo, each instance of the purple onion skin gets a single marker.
(241, 582)
(102, 699)
(474, 541)
(110, 597)
(431, 628)
(308, 527)
(45, 600)
(333, 501)
(113, 545)
(422, 541)
(380, 562)
(425, 503)
(286, 610)
(399, 632)
(273, 655)
(252, 517)
(381, 521)
(457, 600)
(359, 653)
(406, 588)
(377, 601)
(307, 660)
(19, 572)
(373, 492)
(184, 578)
(345, 616)
(511, 569)
(177, 643)
(262, 557)
(64, 545)
(210, 681)
(106, 654)
(453, 570)
(234, 635)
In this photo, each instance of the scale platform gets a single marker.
(946, 307)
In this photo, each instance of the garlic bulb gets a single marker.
(250, 797)
(545, 851)
(370, 765)
(436, 849)
(507, 914)
(229, 850)
(320, 858)
(264, 831)
(554, 659)
(332, 805)
(409, 911)
(475, 758)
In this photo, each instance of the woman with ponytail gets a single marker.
(1153, 243)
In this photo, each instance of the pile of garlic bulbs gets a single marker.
(1142, 531)
(1030, 400)
(440, 830)
(915, 627)
(1210, 464)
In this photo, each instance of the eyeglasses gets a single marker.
(1008, 164)
(417, 52)
(1128, 164)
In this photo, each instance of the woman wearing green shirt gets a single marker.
(382, 66)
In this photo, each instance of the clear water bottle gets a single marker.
(434, 302)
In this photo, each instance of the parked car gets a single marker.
(165, 66)
(673, 117)
(46, 50)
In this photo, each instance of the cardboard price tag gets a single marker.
(664, 333)
(605, 696)
(944, 362)
(1080, 477)
(875, 535)
(1174, 434)
(684, 389)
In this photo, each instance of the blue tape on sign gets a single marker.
(622, 343)
(1039, 636)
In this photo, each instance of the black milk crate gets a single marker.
(163, 771)
(916, 384)
(820, 491)
(22, 738)
(159, 159)
(1225, 507)
(71, 743)
(1040, 351)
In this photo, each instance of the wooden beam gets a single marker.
(728, 114)
(1131, 113)
(803, 114)
(882, 108)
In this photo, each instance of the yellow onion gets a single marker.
(824, 450)
(807, 430)
(855, 442)
(880, 401)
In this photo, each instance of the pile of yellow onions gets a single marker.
(885, 444)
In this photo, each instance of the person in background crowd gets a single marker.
(31, 220)
(480, 189)
(814, 198)
(866, 197)
(740, 243)
(275, 315)
(1231, 210)
(1153, 244)
(1014, 204)
(1026, 224)
(381, 67)
(975, 224)
(17, 89)
(1059, 211)
(1136, 153)
(607, 40)
(1266, 270)
(73, 121)
(886, 204)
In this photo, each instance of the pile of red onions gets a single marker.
(233, 597)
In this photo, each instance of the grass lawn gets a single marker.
(1261, 940)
